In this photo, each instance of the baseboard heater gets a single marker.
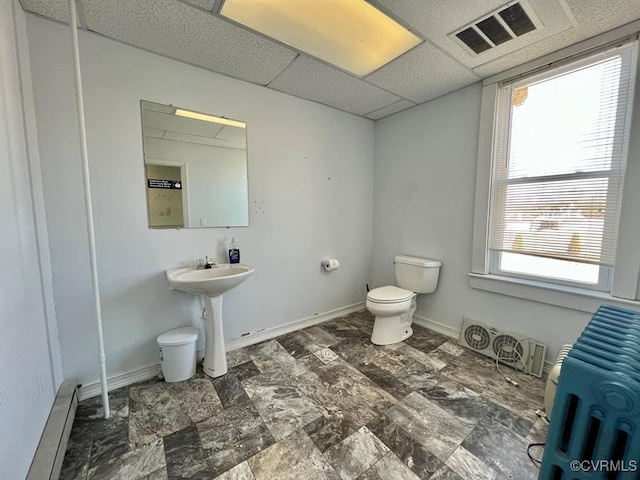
(47, 461)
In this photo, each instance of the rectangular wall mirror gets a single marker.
(195, 168)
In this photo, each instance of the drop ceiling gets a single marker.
(192, 32)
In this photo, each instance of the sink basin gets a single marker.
(211, 282)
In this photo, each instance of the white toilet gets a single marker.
(394, 306)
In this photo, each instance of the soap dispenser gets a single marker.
(234, 252)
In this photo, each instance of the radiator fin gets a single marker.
(597, 413)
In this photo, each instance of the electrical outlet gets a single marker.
(203, 221)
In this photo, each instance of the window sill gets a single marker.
(561, 296)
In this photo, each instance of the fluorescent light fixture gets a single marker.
(209, 118)
(350, 34)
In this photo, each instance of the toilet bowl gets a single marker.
(394, 306)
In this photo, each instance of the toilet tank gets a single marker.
(419, 275)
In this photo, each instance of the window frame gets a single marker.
(605, 275)
(626, 271)
(502, 122)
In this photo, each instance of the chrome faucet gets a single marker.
(206, 262)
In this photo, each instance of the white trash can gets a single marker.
(178, 353)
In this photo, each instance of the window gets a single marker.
(559, 146)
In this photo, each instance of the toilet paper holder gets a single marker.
(330, 264)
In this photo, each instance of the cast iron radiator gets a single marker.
(595, 423)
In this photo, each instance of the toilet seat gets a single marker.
(389, 294)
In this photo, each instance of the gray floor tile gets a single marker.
(445, 473)
(232, 436)
(297, 407)
(464, 404)
(410, 451)
(109, 446)
(229, 387)
(292, 458)
(480, 375)
(467, 465)
(184, 455)
(343, 391)
(76, 458)
(369, 475)
(439, 431)
(292, 345)
(502, 449)
(161, 408)
(328, 431)
(390, 467)
(133, 465)
(356, 453)
(237, 357)
(242, 471)
(425, 340)
(282, 405)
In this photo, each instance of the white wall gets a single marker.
(424, 181)
(311, 195)
(30, 369)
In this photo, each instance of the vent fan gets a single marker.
(507, 23)
(515, 350)
(477, 337)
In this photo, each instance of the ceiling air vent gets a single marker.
(509, 22)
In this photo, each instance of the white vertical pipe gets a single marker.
(73, 23)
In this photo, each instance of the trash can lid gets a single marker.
(179, 336)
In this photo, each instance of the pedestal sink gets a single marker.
(210, 284)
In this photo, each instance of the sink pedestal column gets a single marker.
(215, 356)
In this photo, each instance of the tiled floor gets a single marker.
(320, 403)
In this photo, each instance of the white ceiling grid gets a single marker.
(188, 31)
(311, 79)
(182, 32)
(422, 74)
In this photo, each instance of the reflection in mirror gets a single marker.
(196, 168)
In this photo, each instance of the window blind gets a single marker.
(559, 156)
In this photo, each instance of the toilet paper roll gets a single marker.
(331, 264)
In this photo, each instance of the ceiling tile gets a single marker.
(55, 9)
(205, 4)
(185, 31)
(422, 74)
(436, 20)
(592, 20)
(182, 32)
(390, 109)
(314, 80)
(528, 53)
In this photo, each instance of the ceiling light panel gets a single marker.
(350, 34)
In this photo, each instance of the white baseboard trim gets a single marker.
(436, 327)
(118, 381)
(455, 333)
(151, 371)
(269, 333)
